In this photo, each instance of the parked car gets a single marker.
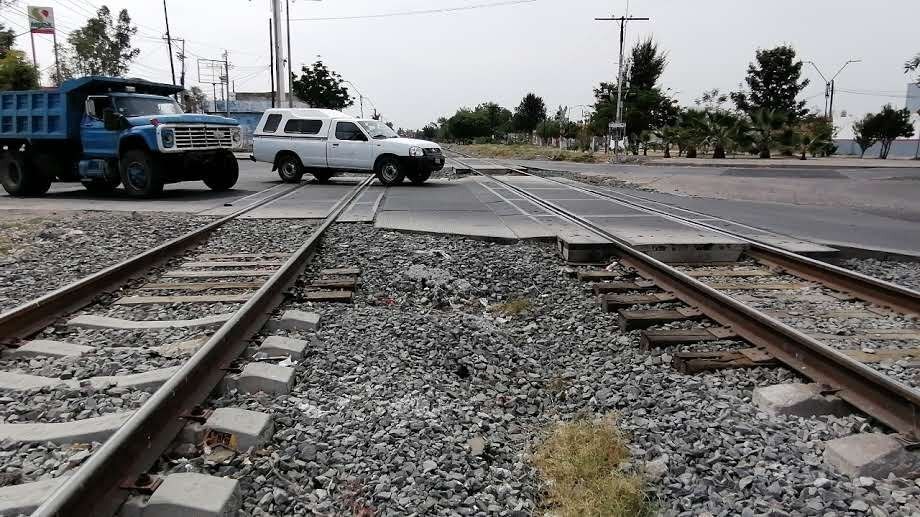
(106, 131)
(322, 142)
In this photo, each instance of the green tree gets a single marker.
(321, 88)
(499, 118)
(468, 124)
(529, 113)
(720, 131)
(864, 133)
(813, 135)
(773, 82)
(689, 133)
(667, 135)
(194, 100)
(16, 73)
(101, 47)
(889, 125)
(766, 129)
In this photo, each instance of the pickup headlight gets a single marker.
(168, 136)
(416, 151)
(235, 135)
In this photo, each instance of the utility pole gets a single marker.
(622, 20)
(271, 59)
(172, 66)
(279, 50)
(227, 78)
(287, 14)
(181, 56)
(830, 87)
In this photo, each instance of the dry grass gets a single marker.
(580, 462)
(526, 152)
(512, 307)
(17, 232)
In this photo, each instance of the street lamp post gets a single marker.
(829, 88)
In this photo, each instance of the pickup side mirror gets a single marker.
(112, 121)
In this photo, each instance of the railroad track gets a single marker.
(226, 295)
(832, 325)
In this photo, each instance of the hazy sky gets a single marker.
(417, 68)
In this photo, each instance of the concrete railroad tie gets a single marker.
(144, 381)
(79, 431)
(104, 322)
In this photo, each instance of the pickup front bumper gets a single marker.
(431, 162)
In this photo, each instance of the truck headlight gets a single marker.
(416, 151)
(168, 136)
(235, 135)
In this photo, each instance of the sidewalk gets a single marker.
(788, 163)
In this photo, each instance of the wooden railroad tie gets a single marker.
(614, 302)
(160, 300)
(327, 296)
(199, 286)
(589, 276)
(624, 286)
(637, 320)
(695, 362)
(651, 339)
(261, 263)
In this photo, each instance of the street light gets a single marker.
(829, 87)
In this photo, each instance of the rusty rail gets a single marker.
(96, 487)
(30, 317)
(889, 401)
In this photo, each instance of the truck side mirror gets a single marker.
(111, 120)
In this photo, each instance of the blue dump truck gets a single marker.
(105, 132)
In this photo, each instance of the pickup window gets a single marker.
(348, 131)
(303, 127)
(271, 123)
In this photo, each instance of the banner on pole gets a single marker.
(41, 20)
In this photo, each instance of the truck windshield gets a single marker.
(378, 130)
(139, 106)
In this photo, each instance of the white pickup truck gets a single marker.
(322, 142)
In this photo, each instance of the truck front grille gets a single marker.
(203, 137)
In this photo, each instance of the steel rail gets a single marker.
(889, 401)
(887, 294)
(30, 317)
(95, 488)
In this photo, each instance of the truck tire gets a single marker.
(390, 172)
(419, 177)
(290, 169)
(140, 174)
(223, 173)
(322, 175)
(20, 180)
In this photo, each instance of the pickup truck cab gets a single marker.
(322, 142)
(106, 131)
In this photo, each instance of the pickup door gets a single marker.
(348, 147)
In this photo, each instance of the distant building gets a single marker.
(247, 108)
(901, 148)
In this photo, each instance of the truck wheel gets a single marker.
(140, 174)
(322, 175)
(290, 169)
(223, 173)
(18, 179)
(390, 172)
(417, 178)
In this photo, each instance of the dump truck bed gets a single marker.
(34, 115)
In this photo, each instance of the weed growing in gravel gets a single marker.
(513, 307)
(580, 462)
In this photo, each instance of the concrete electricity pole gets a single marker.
(172, 66)
(279, 51)
(287, 14)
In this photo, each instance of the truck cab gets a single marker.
(105, 132)
(323, 142)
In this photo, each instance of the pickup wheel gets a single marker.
(290, 169)
(20, 180)
(223, 172)
(390, 172)
(140, 174)
(417, 178)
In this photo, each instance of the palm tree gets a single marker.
(667, 135)
(690, 134)
(721, 130)
(766, 125)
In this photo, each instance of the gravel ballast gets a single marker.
(429, 395)
(902, 273)
(43, 251)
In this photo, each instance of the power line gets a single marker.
(413, 13)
